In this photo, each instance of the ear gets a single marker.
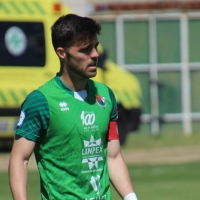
(60, 52)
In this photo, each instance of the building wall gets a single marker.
(77, 7)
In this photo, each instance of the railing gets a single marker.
(184, 67)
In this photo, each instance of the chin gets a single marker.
(91, 75)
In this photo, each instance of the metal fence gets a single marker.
(185, 66)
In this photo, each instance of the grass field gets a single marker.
(155, 182)
(165, 181)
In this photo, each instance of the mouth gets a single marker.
(93, 66)
(94, 63)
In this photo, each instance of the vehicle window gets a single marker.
(22, 44)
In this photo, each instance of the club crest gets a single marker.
(101, 101)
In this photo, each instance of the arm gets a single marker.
(33, 121)
(18, 163)
(118, 171)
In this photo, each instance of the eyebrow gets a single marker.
(90, 45)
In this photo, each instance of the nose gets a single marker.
(94, 53)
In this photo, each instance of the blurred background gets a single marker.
(150, 57)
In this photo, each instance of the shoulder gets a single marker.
(35, 100)
(102, 90)
(35, 106)
(48, 86)
(100, 86)
(97, 84)
(35, 95)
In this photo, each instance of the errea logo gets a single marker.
(63, 106)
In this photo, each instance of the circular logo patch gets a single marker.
(15, 41)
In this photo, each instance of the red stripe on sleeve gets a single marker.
(113, 131)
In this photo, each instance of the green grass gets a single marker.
(151, 182)
(33, 186)
(166, 182)
(170, 136)
(154, 182)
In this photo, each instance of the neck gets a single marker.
(76, 84)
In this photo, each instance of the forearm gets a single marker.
(119, 176)
(18, 178)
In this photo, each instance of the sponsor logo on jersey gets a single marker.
(97, 198)
(88, 121)
(92, 154)
(95, 182)
(88, 118)
(101, 101)
(92, 161)
(21, 118)
(63, 106)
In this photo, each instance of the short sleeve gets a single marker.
(34, 117)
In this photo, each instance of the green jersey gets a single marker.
(71, 139)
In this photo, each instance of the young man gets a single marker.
(70, 124)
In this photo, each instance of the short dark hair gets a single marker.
(71, 29)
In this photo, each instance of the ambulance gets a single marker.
(27, 58)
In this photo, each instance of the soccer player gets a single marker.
(70, 124)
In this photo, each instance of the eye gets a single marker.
(86, 50)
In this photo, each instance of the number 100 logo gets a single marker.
(87, 118)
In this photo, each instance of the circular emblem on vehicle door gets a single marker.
(15, 41)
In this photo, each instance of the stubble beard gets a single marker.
(76, 69)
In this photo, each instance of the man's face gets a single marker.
(81, 59)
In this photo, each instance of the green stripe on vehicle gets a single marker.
(27, 7)
(13, 95)
(4, 8)
(40, 9)
(3, 98)
(15, 7)
(24, 94)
